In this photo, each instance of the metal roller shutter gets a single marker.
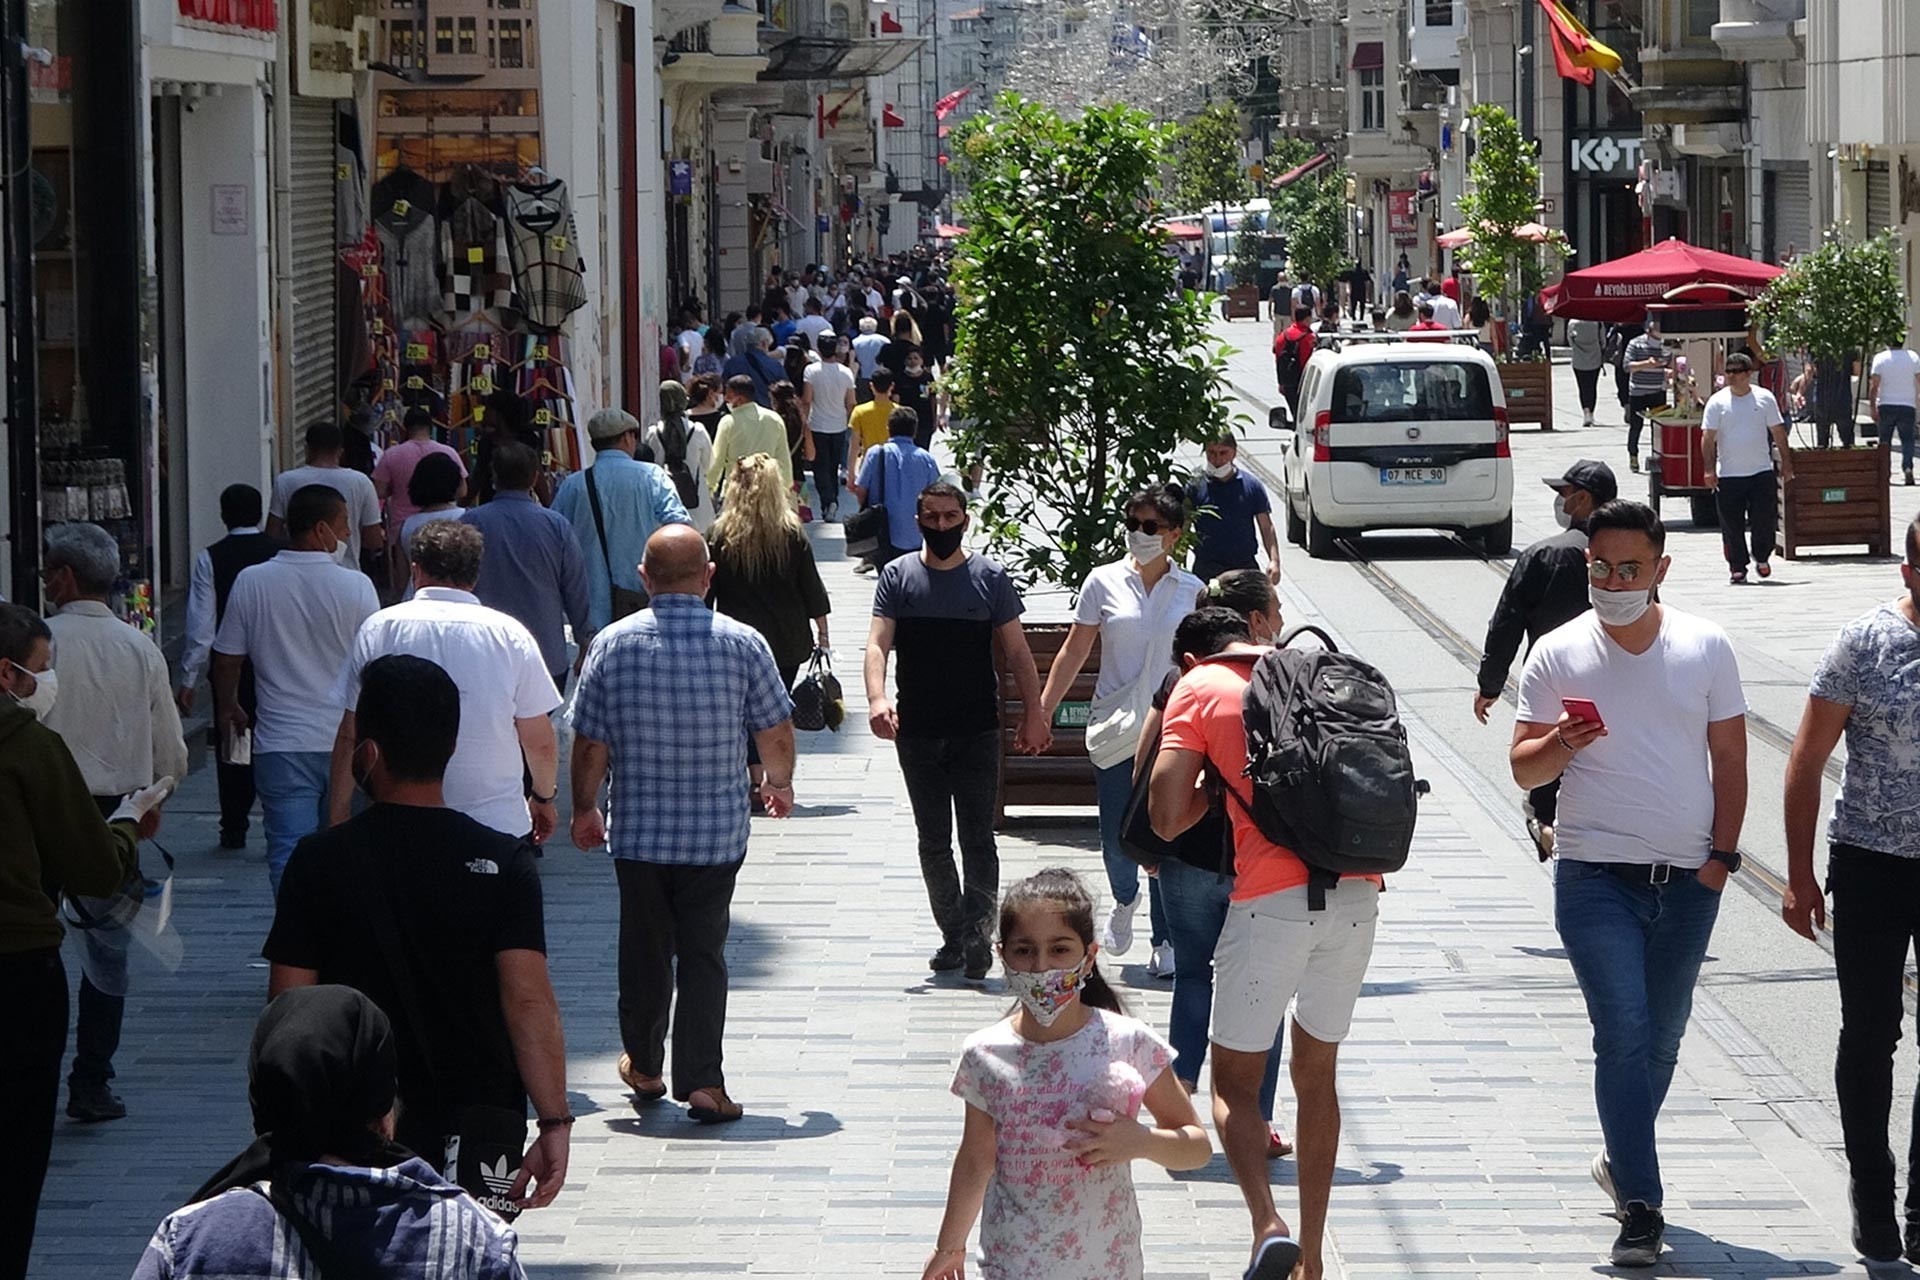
(1879, 198)
(313, 348)
(1789, 211)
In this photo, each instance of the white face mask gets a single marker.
(1620, 608)
(1145, 547)
(1220, 472)
(1046, 995)
(1560, 511)
(46, 687)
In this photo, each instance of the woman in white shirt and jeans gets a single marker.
(1133, 606)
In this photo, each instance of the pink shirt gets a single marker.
(395, 469)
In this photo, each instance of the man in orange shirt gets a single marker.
(1272, 951)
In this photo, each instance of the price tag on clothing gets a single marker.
(543, 417)
(481, 384)
(416, 351)
(416, 382)
(483, 352)
(479, 414)
(379, 325)
(341, 173)
(401, 208)
(371, 270)
(559, 243)
(476, 254)
(540, 351)
(387, 384)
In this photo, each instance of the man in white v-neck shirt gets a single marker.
(1738, 433)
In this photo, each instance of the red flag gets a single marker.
(945, 129)
(892, 119)
(889, 25)
(941, 159)
(1576, 54)
(943, 108)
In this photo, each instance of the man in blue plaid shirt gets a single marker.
(667, 698)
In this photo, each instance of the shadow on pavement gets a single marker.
(667, 1120)
(1689, 1253)
(1284, 1173)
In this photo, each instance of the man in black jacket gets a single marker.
(1548, 587)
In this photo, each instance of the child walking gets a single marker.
(1052, 1092)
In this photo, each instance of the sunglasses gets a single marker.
(1600, 570)
(1136, 525)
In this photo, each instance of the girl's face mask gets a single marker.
(1046, 994)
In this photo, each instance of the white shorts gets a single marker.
(1274, 952)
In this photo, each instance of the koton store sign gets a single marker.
(1607, 154)
(255, 16)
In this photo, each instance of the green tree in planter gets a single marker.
(1503, 181)
(1080, 366)
(1249, 244)
(1840, 303)
(1316, 229)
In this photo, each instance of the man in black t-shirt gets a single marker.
(438, 920)
(940, 609)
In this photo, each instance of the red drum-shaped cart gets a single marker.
(1696, 322)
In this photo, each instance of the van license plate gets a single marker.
(1413, 475)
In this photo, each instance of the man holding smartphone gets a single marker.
(1651, 804)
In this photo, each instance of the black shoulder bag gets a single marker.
(866, 529)
(625, 602)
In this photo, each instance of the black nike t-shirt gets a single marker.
(410, 905)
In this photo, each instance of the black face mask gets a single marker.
(943, 542)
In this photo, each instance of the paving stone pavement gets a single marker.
(1466, 1082)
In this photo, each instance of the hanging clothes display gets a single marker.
(546, 384)
(403, 204)
(473, 247)
(549, 275)
(349, 179)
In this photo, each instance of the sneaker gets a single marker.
(1638, 1244)
(233, 840)
(1603, 1174)
(865, 566)
(1908, 473)
(1160, 963)
(90, 1103)
(948, 958)
(1737, 577)
(1119, 934)
(978, 958)
(1633, 462)
(1764, 569)
(833, 513)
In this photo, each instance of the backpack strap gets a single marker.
(1326, 641)
(599, 525)
(1318, 881)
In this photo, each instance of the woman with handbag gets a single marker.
(764, 574)
(1132, 607)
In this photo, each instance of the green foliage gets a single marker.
(1207, 164)
(1249, 244)
(1283, 155)
(1316, 228)
(1843, 301)
(1080, 364)
(1503, 181)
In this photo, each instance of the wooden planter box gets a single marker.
(1839, 497)
(1243, 302)
(1529, 388)
(1062, 778)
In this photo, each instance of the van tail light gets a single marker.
(1322, 427)
(1500, 428)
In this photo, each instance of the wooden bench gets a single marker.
(1063, 777)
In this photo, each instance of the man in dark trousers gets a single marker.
(213, 573)
(1548, 586)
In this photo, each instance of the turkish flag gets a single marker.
(892, 119)
(890, 25)
(943, 108)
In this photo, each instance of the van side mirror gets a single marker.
(1280, 417)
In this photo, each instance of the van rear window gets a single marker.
(1412, 391)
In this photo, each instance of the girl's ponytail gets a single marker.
(1095, 993)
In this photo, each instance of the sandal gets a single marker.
(723, 1111)
(1278, 1148)
(645, 1088)
(1275, 1259)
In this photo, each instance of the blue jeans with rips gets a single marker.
(1636, 950)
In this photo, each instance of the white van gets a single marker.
(1398, 435)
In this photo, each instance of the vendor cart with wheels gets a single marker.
(1696, 322)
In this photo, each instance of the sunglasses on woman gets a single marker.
(1137, 525)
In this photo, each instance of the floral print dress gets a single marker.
(1047, 1216)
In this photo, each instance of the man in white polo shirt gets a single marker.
(1737, 435)
(295, 616)
(1896, 378)
(506, 692)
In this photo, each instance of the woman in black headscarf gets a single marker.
(321, 1081)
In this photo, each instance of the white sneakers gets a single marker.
(1160, 963)
(1119, 933)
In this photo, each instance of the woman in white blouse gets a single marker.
(676, 433)
(1132, 606)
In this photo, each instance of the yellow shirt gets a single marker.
(869, 426)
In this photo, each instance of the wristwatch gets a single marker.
(1730, 857)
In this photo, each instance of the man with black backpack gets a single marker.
(1314, 762)
(1291, 351)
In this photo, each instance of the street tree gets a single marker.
(1839, 303)
(1080, 368)
(1315, 225)
(1503, 190)
(1207, 165)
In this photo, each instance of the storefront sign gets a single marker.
(679, 177)
(229, 209)
(332, 39)
(1607, 153)
(1400, 215)
(258, 16)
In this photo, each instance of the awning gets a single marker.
(1300, 171)
(1369, 55)
(1530, 231)
(1182, 230)
(948, 231)
(877, 56)
(1620, 289)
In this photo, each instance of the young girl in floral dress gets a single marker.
(1052, 1092)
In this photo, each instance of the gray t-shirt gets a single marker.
(1873, 666)
(1650, 381)
(944, 620)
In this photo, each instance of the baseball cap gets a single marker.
(1595, 477)
(1739, 362)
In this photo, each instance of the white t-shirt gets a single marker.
(1643, 793)
(813, 326)
(1136, 645)
(1898, 370)
(830, 381)
(1740, 425)
(495, 662)
(694, 344)
(296, 616)
(363, 504)
(1446, 312)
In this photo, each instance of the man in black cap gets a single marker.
(1548, 587)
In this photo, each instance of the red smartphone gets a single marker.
(1583, 709)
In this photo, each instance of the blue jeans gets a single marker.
(1195, 903)
(293, 802)
(1114, 787)
(1636, 950)
(1897, 420)
(829, 461)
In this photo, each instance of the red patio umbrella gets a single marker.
(1619, 291)
(1182, 230)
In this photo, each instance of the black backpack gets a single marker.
(672, 435)
(1327, 757)
(1286, 366)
